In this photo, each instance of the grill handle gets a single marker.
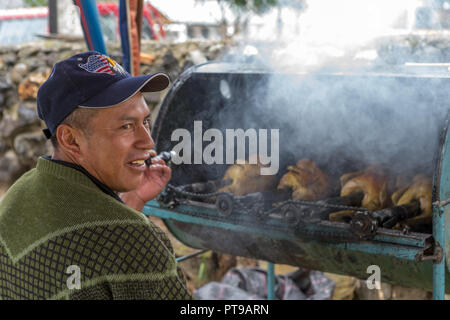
(365, 224)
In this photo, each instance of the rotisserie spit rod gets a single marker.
(273, 197)
(365, 224)
(279, 195)
(352, 200)
(208, 186)
(255, 203)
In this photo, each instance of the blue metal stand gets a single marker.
(270, 281)
(438, 265)
(90, 21)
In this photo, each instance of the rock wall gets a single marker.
(425, 46)
(24, 68)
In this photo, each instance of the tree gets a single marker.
(242, 10)
(256, 6)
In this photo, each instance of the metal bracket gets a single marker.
(441, 204)
(167, 199)
(436, 257)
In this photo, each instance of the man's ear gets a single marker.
(69, 139)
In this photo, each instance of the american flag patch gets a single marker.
(97, 64)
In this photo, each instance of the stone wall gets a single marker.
(24, 68)
(425, 46)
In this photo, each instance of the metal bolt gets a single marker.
(223, 205)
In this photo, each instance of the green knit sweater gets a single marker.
(55, 217)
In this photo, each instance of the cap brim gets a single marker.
(124, 89)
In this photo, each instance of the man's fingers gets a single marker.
(153, 153)
(158, 161)
(161, 169)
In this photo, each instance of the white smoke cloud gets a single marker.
(329, 29)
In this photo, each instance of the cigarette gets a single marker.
(165, 155)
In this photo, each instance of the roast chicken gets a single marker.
(371, 182)
(246, 178)
(305, 180)
(419, 190)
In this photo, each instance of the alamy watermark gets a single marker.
(213, 153)
(74, 280)
(374, 281)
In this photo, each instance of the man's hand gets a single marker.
(155, 179)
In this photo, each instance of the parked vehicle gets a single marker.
(152, 22)
(25, 24)
(15, 24)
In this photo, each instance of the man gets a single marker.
(71, 228)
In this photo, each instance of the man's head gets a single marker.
(97, 117)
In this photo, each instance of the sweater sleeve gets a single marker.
(168, 289)
(128, 262)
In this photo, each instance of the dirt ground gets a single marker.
(207, 267)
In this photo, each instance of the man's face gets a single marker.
(118, 137)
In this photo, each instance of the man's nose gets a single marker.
(144, 138)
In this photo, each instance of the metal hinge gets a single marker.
(440, 204)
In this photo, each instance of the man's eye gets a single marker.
(126, 126)
(147, 123)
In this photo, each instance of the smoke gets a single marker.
(328, 31)
(331, 92)
(344, 120)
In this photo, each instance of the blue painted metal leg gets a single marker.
(270, 281)
(94, 36)
(438, 266)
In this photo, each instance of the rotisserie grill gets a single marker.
(358, 131)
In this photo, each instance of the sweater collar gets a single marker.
(63, 169)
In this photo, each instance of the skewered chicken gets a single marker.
(419, 190)
(247, 178)
(306, 181)
(371, 182)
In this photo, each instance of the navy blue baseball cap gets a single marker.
(89, 80)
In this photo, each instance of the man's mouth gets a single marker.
(137, 164)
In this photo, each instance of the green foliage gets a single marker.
(257, 6)
(262, 6)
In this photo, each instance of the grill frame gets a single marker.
(409, 260)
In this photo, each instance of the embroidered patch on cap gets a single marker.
(102, 64)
